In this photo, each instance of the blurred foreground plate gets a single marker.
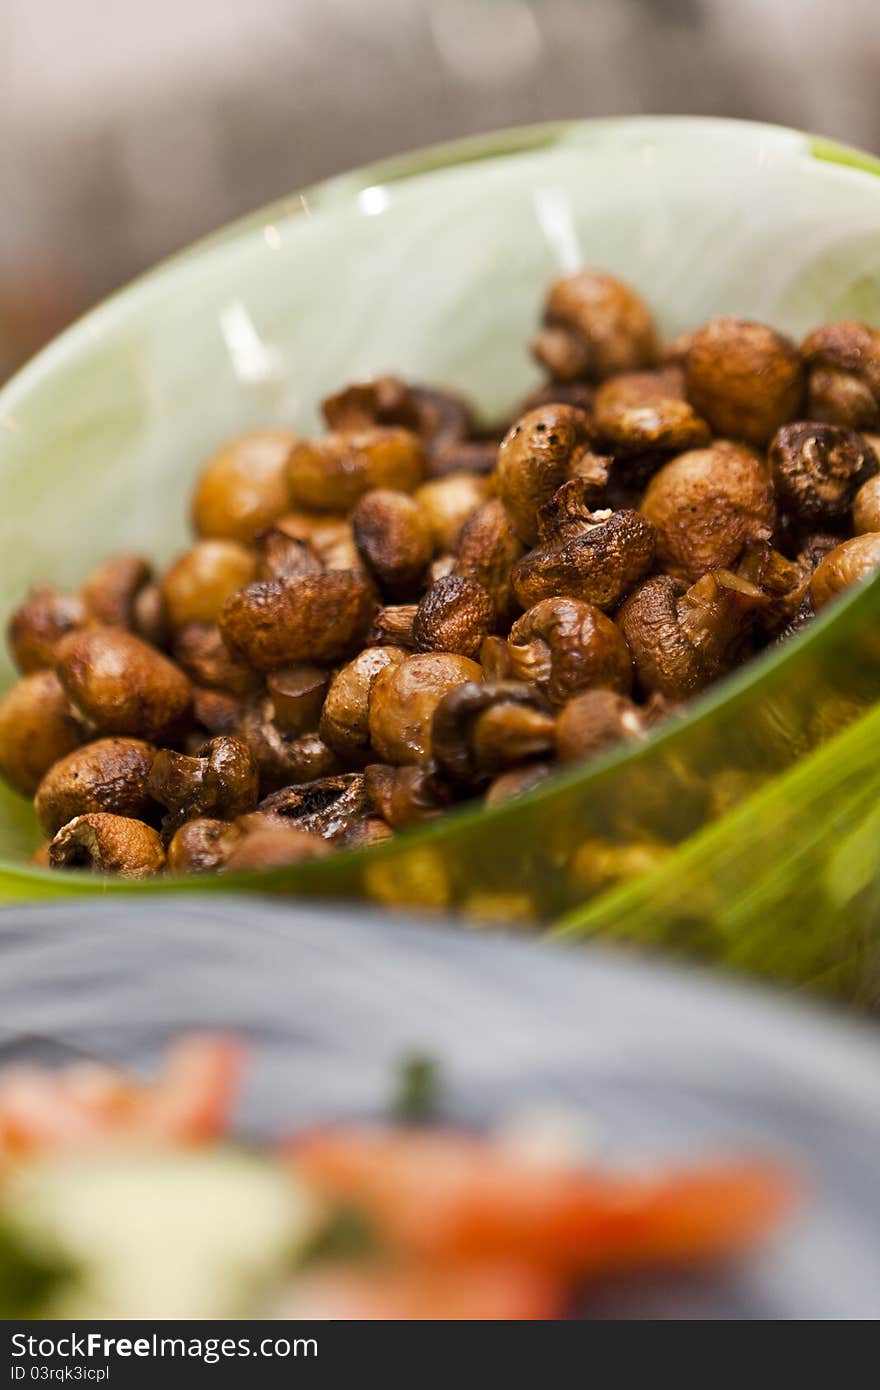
(652, 1062)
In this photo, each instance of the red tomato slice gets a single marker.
(451, 1293)
(447, 1195)
(193, 1099)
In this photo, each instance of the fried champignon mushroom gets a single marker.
(706, 506)
(37, 728)
(853, 562)
(843, 362)
(596, 556)
(282, 556)
(221, 782)
(200, 651)
(394, 541)
(564, 645)
(365, 833)
(681, 638)
(215, 712)
(483, 728)
(516, 782)
(745, 379)
(317, 618)
(327, 807)
(840, 398)
(202, 846)
(488, 549)
(594, 720)
(784, 583)
(150, 616)
(111, 591)
(242, 489)
(673, 353)
(393, 626)
(595, 326)
(447, 503)
(866, 507)
(405, 796)
(537, 455)
(474, 456)
(817, 470)
(198, 584)
(284, 758)
(38, 625)
(121, 684)
(273, 846)
(332, 473)
(330, 537)
(577, 393)
(297, 694)
(453, 616)
(106, 844)
(495, 659)
(404, 699)
(345, 718)
(385, 400)
(110, 774)
(631, 419)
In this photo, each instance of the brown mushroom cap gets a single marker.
(594, 556)
(108, 775)
(283, 556)
(841, 398)
(851, 563)
(385, 400)
(243, 488)
(866, 506)
(481, 728)
(273, 846)
(202, 846)
(332, 473)
(488, 549)
(516, 782)
(284, 758)
(38, 625)
(345, 718)
(406, 796)
(537, 455)
(706, 506)
(330, 537)
(817, 469)
(453, 616)
(121, 684)
(111, 591)
(847, 346)
(595, 326)
(404, 699)
(222, 781)
(315, 618)
(327, 807)
(107, 844)
(629, 419)
(743, 378)
(200, 651)
(564, 645)
(198, 584)
(596, 719)
(37, 727)
(297, 694)
(393, 539)
(447, 503)
(682, 639)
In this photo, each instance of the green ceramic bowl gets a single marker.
(746, 831)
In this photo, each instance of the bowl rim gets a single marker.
(338, 192)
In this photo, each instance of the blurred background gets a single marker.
(130, 129)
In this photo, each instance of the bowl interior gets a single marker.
(432, 266)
